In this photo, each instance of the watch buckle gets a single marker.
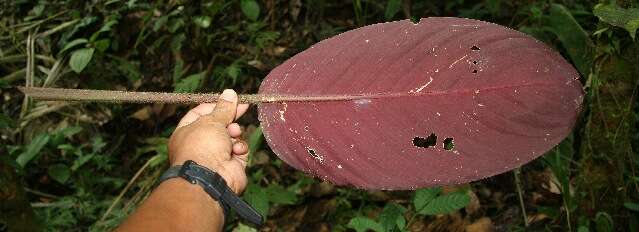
(187, 167)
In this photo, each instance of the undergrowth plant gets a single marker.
(79, 166)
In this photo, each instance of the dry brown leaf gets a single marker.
(474, 205)
(484, 224)
(142, 114)
(257, 64)
(537, 217)
(259, 158)
(451, 222)
(551, 183)
(322, 189)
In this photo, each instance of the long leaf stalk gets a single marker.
(61, 94)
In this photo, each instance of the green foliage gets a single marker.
(80, 59)
(572, 36)
(423, 197)
(620, 17)
(392, 7)
(426, 201)
(75, 159)
(261, 198)
(362, 224)
(430, 202)
(60, 173)
(251, 9)
(33, 149)
(603, 222)
(446, 204)
(74, 43)
(392, 217)
(190, 83)
(632, 206)
(202, 21)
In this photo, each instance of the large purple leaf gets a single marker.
(499, 96)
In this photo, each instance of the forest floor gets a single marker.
(68, 166)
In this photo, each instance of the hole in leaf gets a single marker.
(449, 144)
(474, 48)
(415, 20)
(474, 62)
(312, 153)
(429, 141)
(475, 71)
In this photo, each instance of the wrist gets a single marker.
(208, 163)
(215, 186)
(215, 166)
(191, 193)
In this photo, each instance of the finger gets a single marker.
(241, 159)
(240, 148)
(225, 109)
(195, 113)
(235, 130)
(241, 109)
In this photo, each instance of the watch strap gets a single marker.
(214, 185)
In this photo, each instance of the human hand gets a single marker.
(207, 136)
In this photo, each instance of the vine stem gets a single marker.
(61, 94)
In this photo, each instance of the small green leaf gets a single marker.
(251, 9)
(632, 206)
(190, 83)
(256, 197)
(60, 173)
(392, 217)
(583, 229)
(603, 222)
(160, 22)
(392, 7)
(176, 42)
(6, 122)
(203, 21)
(620, 17)
(158, 159)
(58, 137)
(279, 195)
(244, 228)
(81, 161)
(102, 45)
(97, 143)
(178, 70)
(573, 37)
(73, 43)
(446, 204)
(80, 58)
(255, 141)
(363, 224)
(176, 25)
(33, 149)
(233, 71)
(424, 196)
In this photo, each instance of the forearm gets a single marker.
(176, 205)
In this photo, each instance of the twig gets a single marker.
(126, 188)
(42, 194)
(517, 173)
(64, 204)
(29, 72)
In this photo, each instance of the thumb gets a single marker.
(225, 109)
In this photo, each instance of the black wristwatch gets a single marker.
(216, 187)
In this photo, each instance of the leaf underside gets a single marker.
(501, 97)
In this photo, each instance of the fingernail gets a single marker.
(229, 95)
